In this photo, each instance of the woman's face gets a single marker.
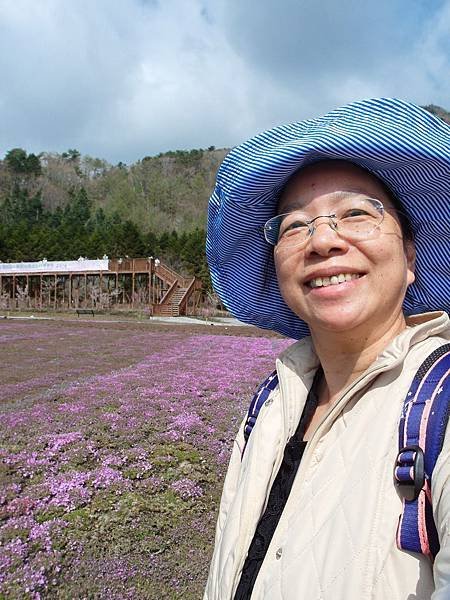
(380, 266)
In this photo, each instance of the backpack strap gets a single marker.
(422, 427)
(260, 396)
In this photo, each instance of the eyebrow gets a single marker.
(338, 195)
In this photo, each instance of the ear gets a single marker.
(410, 253)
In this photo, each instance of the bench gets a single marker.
(85, 311)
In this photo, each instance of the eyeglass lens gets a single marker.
(352, 218)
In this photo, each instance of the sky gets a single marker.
(124, 79)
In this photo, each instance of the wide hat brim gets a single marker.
(400, 143)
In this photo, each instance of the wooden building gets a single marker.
(105, 284)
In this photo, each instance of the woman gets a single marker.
(309, 510)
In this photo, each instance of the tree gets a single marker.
(127, 240)
(79, 209)
(33, 165)
(151, 244)
(194, 258)
(16, 159)
(19, 162)
(93, 168)
(71, 155)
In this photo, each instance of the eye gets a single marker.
(355, 212)
(292, 226)
(362, 209)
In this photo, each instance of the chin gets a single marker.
(338, 322)
(333, 327)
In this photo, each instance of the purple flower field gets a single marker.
(115, 440)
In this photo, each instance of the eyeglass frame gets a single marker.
(332, 224)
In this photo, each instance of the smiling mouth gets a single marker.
(333, 280)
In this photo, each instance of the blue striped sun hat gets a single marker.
(400, 143)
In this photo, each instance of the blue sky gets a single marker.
(122, 79)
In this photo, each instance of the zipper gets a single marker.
(246, 536)
(337, 407)
(288, 427)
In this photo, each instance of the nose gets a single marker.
(325, 240)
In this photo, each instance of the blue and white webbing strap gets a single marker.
(261, 395)
(421, 433)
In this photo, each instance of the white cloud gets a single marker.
(121, 80)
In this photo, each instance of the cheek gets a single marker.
(392, 265)
(287, 267)
(289, 271)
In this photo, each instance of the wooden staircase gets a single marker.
(166, 310)
(175, 300)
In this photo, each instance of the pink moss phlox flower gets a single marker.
(187, 488)
(172, 436)
(58, 441)
(113, 460)
(155, 484)
(20, 506)
(41, 532)
(104, 477)
(9, 491)
(73, 407)
(16, 548)
(68, 490)
(34, 579)
(186, 421)
(79, 426)
(27, 462)
(17, 524)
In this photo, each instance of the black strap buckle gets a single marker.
(410, 488)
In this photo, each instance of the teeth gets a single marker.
(333, 280)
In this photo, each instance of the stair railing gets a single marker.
(166, 273)
(169, 293)
(182, 304)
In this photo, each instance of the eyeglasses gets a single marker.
(353, 219)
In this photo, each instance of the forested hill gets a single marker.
(439, 112)
(163, 193)
(61, 206)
